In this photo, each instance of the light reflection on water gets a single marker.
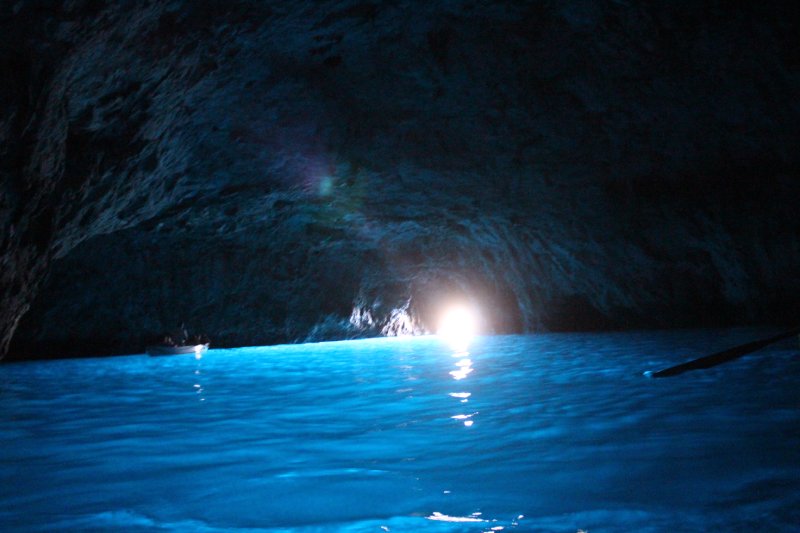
(524, 433)
(463, 369)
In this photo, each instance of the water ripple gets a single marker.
(530, 433)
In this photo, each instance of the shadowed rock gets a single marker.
(270, 172)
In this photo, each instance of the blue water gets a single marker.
(556, 432)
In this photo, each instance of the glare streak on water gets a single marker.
(521, 433)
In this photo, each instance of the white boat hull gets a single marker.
(177, 350)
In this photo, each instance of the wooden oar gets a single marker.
(721, 357)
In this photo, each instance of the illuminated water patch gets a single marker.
(544, 433)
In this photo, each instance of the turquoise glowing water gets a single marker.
(525, 433)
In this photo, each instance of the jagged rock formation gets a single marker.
(271, 171)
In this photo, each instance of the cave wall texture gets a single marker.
(270, 171)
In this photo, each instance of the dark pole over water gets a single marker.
(723, 356)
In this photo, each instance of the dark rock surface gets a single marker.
(272, 171)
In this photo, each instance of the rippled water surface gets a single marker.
(547, 433)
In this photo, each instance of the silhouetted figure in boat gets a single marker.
(196, 339)
(166, 340)
(179, 336)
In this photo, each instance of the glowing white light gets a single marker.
(465, 418)
(446, 518)
(461, 373)
(458, 325)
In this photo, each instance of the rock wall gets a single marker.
(273, 172)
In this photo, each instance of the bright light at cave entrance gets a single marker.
(458, 325)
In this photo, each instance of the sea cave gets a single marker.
(284, 173)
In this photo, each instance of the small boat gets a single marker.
(163, 349)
